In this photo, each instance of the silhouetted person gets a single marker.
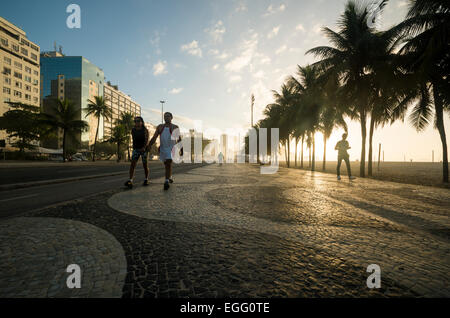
(140, 137)
(342, 147)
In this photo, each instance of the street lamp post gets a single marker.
(162, 111)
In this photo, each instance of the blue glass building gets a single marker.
(76, 79)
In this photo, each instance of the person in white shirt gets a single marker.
(164, 131)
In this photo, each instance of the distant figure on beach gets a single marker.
(220, 158)
(164, 131)
(140, 137)
(342, 146)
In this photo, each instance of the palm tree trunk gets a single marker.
(285, 152)
(313, 165)
(440, 126)
(324, 152)
(296, 150)
(362, 166)
(301, 159)
(95, 140)
(118, 152)
(309, 161)
(289, 152)
(371, 131)
(64, 145)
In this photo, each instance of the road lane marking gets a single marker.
(22, 197)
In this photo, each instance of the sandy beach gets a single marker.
(421, 173)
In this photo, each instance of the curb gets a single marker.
(15, 186)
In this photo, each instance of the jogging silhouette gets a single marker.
(342, 146)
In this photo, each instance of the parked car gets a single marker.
(79, 157)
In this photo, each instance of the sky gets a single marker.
(206, 57)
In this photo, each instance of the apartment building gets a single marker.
(78, 80)
(20, 71)
(119, 103)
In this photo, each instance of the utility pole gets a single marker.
(253, 104)
(162, 111)
(432, 156)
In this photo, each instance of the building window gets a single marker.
(27, 96)
(35, 99)
(18, 94)
(36, 73)
(27, 69)
(15, 47)
(18, 84)
(24, 42)
(35, 82)
(7, 100)
(34, 56)
(24, 51)
(7, 80)
(28, 78)
(4, 41)
(28, 88)
(6, 71)
(35, 90)
(18, 75)
(7, 90)
(7, 60)
(18, 65)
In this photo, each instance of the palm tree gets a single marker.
(308, 101)
(280, 112)
(63, 115)
(425, 55)
(127, 120)
(120, 137)
(331, 113)
(350, 60)
(98, 109)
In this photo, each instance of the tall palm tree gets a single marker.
(98, 109)
(127, 121)
(425, 55)
(331, 112)
(308, 101)
(350, 59)
(63, 115)
(119, 137)
(283, 102)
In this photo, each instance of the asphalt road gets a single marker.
(15, 202)
(24, 174)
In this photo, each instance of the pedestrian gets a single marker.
(342, 146)
(220, 158)
(140, 137)
(167, 142)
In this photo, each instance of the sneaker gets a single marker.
(166, 186)
(352, 178)
(171, 180)
(146, 183)
(339, 178)
(129, 184)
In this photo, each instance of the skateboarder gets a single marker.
(342, 146)
(164, 131)
(140, 137)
